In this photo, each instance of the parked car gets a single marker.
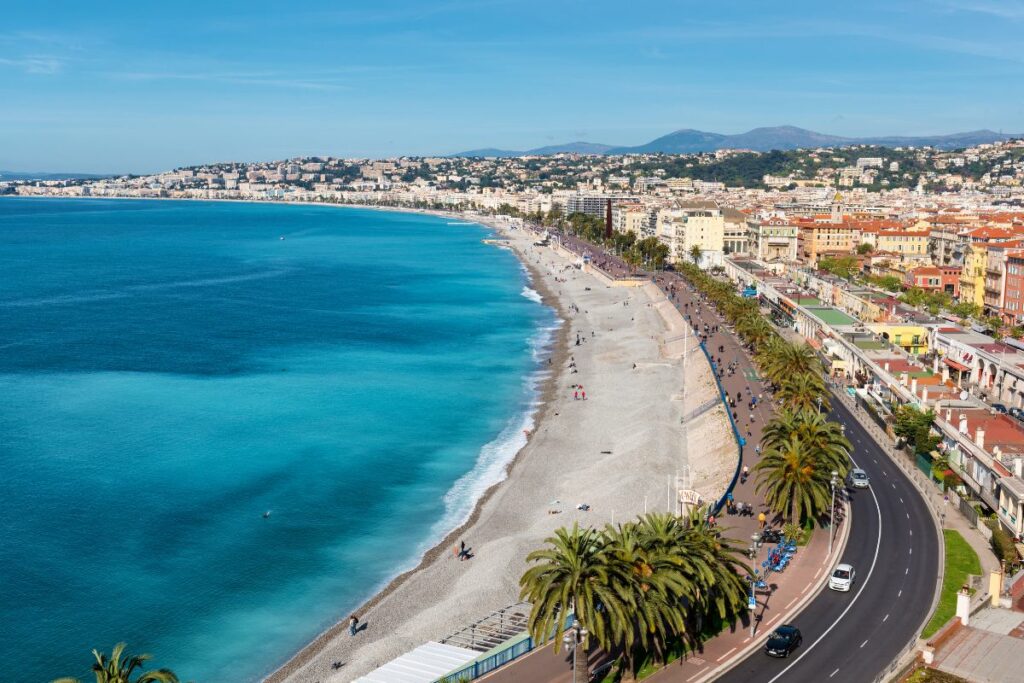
(999, 408)
(783, 641)
(859, 478)
(842, 578)
(1017, 413)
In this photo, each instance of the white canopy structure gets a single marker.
(425, 664)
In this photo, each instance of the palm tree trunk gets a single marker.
(580, 663)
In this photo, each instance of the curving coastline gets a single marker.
(620, 451)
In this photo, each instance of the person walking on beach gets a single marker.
(353, 625)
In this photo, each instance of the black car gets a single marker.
(999, 408)
(783, 641)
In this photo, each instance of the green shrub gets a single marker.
(1002, 542)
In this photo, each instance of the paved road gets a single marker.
(852, 637)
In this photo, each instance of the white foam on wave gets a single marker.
(532, 294)
(491, 464)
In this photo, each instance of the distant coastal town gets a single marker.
(818, 306)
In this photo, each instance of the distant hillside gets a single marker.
(690, 141)
(567, 148)
(23, 175)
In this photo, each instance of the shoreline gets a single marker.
(559, 353)
(648, 439)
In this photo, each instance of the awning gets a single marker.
(425, 664)
(956, 366)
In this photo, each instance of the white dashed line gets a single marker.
(885, 618)
(900, 594)
(833, 673)
(906, 571)
(726, 654)
(864, 643)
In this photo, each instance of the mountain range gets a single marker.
(689, 141)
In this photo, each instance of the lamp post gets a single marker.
(574, 637)
(819, 405)
(832, 513)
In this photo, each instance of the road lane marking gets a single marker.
(906, 571)
(911, 532)
(725, 655)
(791, 602)
(901, 500)
(864, 643)
(849, 606)
(900, 594)
(911, 551)
(885, 618)
(833, 673)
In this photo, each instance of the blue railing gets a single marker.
(740, 441)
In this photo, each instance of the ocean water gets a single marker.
(169, 371)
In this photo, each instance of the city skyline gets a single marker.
(128, 89)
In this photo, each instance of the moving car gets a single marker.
(859, 478)
(842, 578)
(783, 641)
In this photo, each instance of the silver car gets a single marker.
(859, 478)
(842, 578)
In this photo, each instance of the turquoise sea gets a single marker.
(170, 371)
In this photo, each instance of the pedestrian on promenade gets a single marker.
(583, 395)
(762, 520)
(576, 395)
(353, 625)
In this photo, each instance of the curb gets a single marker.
(758, 640)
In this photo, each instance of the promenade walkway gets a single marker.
(788, 591)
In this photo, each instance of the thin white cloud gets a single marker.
(1004, 9)
(33, 65)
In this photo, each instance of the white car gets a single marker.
(859, 478)
(842, 578)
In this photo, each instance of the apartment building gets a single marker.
(735, 237)
(689, 224)
(815, 240)
(631, 217)
(935, 279)
(972, 275)
(773, 239)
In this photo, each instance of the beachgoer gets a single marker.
(353, 625)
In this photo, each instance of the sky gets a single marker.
(118, 87)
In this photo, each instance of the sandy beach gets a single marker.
(617, 451)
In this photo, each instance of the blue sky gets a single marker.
(138, 87)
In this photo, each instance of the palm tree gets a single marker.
(576, 573)
(650, 575)
(793, 479)
(120, 667)
(784, 359)
(695, 253)
(825, 439)
(804, 391)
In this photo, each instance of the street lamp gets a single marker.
(832, 513)
(819, 405)
(574, 637)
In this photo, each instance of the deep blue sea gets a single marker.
(170, 371)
